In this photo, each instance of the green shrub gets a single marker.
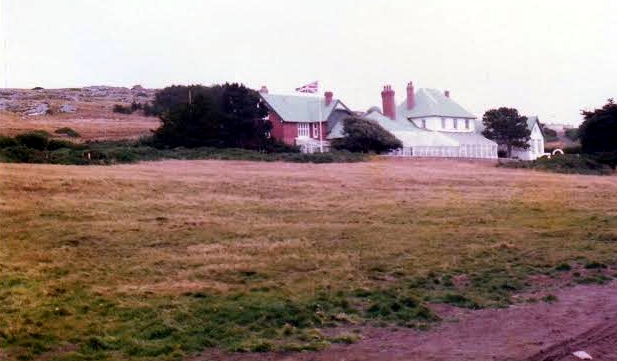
(550, 298)
(595, 265)
(563, 267)
(55, 144)
(575, 149)
(566, 163)
(7, 142)
(68, 132)
(364, 135)
(22, 154)
(123, 109)
(34, 140)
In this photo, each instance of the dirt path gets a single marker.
(583, 318)
(600, 341)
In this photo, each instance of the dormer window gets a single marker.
(466, 123)
(455, 123)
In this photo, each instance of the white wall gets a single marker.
(536, 146)
(435, 123)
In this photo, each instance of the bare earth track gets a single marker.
(583, 318)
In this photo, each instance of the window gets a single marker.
(423, 123)
(443, 123)
(455, 123)
(466, 123)
(303, 130)
(315, 130)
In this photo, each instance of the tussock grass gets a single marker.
(160, 260)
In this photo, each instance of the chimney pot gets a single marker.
(264, 89)
(447, 93)
(328, 97)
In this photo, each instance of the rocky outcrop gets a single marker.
(39, 102)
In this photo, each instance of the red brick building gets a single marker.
(304, 121)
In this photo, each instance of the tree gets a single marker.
(229, 115)
(572, 134)
(506, 127)
(598, 133)
(363, 135)
(550, 135)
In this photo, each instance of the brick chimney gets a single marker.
(328, 96)
(387, 98)
(446, 93)
(411, 100)
(264, 89)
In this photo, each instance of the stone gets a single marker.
(582, 355)
(67, 108)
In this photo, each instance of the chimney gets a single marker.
(264, 89)
(411, 100)
(446, 93)
(387, 98)
(328, 95)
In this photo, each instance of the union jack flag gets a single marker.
(308, 88)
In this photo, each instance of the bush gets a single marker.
(55, 144)
(7, 142)
(33, 140)
(566, 163)
(274, 146)
(68, 132)
(22, 154)
(223, 116)
(550, 135)
(122, 109)
(363, 135)
(575, 149)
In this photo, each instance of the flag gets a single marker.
(308, 88)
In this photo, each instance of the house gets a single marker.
(429, 124)
(304, 121)
(536, 141)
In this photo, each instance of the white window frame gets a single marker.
(304, 130)
(315, 130)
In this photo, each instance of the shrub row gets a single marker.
(37, 147)
(566, 163)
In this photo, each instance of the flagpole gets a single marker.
(320, 126)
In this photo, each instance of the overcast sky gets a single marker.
(546, 58)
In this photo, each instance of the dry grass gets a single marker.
(94, 121)
(134, 233)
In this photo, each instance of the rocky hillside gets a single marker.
(89, 111)
(39, 101)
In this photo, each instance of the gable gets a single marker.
(533, 124)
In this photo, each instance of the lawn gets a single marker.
(159, 260)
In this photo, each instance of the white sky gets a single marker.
(549, 58)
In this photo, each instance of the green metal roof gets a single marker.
(301, 109)
(432, 102)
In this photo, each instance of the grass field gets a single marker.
(159, 260)
(94, 122)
